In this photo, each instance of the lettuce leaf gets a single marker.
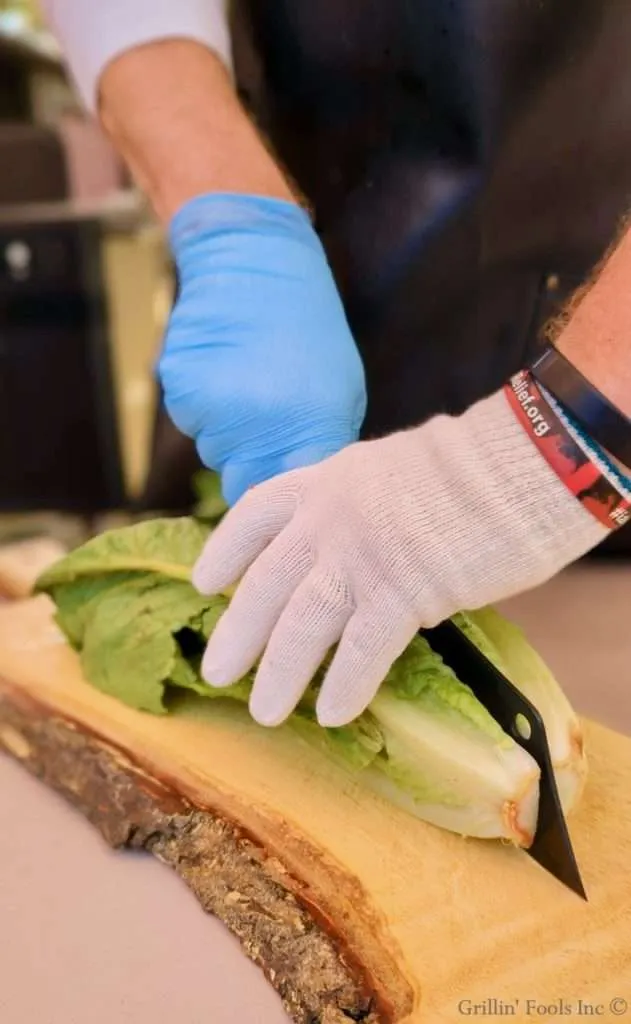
(169, 547)
(211, 505)
(126, 603)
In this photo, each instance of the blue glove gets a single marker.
(259, 365)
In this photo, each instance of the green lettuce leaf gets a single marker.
(129, 646)
(211, 505)
(76, 602)
(169, 547)
(419, 675)
(506, 645)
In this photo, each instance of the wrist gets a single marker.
(611, 468)
(218, 213)
(506, 519)
(171, 111)
(611, 378)
(595, 333)
(584, 403)
(531, 482)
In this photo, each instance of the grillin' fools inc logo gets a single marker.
(534, 1009)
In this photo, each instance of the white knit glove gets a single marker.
(375, 542)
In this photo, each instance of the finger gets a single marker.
(240, 636)
(242, 536)
(311, 623)
(368, 648)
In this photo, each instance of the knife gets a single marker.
(551, 847)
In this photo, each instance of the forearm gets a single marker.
(597, 336)
(157, 72)
(172, 113)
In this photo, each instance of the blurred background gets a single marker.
(86, 285)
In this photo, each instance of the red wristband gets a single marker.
(571, 463)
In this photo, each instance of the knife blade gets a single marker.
(551, 847)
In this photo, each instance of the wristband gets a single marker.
(603, 460)
(600, 489)
(584, 403)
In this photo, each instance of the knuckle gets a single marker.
(297, 555)
(256, 498)
(254, 593)
(360, 642)
(329, 591)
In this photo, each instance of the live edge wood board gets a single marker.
(354, 910)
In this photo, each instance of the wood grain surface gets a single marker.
(353, 909)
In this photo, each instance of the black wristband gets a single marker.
(592, 411)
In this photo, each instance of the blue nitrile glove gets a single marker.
(259, 364)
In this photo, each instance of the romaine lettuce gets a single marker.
(126, 604)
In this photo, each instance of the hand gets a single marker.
(381, 539)
(259, 364)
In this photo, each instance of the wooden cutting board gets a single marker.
(355, 910)
(23, 561)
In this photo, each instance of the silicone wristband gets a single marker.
(584, 402)
(606, 464)
(601, 495)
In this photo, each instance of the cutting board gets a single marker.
(354, 910)
(23, 561)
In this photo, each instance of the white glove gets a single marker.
(375, 542)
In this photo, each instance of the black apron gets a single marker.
(468, 163)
